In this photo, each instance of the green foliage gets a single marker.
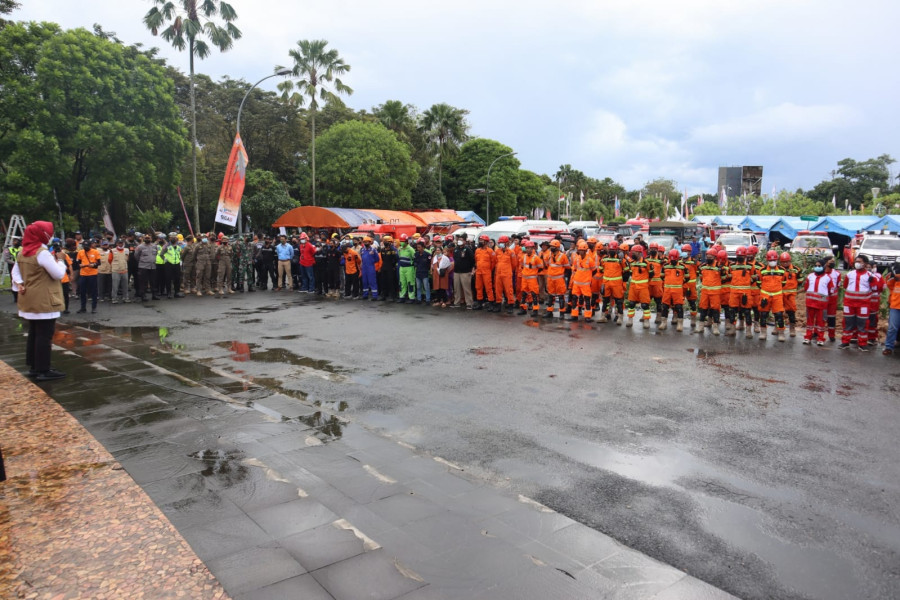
(427, 194)
(529, 191)
(265, 198)
(444, 127)
(853, 181)
(152, 219)
(365, 166)
(468, 170)
(786, 203)
(662, 188)
(650, 207)
(709, 207)
(87, 122)
(592, 210)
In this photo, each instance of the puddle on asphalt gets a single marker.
(295, 336)
(276, 385)
(250, 321)
(702, 353)
(486, 351)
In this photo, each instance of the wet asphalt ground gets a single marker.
(768, 470)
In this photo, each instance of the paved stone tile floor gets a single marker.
(276, 498)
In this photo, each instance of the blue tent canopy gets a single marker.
(886, 223)
(789, 226)
(759, 222)
(728, 220)
(845, 225)
(705, 219)
(355, 216)
(469, 215)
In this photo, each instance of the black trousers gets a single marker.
(390, 283)
(37, 347)
(173, 279)
(351, 287)
(87, 285)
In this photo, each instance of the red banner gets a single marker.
(233, 186)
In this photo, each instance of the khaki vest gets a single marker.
(43, 294)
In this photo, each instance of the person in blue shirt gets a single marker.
(284, 252)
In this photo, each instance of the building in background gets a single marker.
(740, 181)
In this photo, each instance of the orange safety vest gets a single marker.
(556, 268)
(582, 268)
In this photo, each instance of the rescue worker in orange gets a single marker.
(613, 289)
(742, 279)
(656, 285)
(711, 276)
(544, 253)
(505, 265)
(753, 260)
(771, 289)
(691, 289)
(725, 295)
(531, 266)
(597, 279)
(675, 276)
(639, 288)
(791, 285)
(583, 265)
(518, 247)
(484, 274)
(557, 264)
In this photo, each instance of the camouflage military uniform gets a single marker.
(223, 267)
(248, 273)
(237, 275)
(188, 262)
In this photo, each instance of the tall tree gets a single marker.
(6, 7)
(398, 117)
(445, 126)
(186, 23)
(468, 171)
(315, 67)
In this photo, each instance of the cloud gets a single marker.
(784, 123)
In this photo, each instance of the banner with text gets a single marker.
(233, 186)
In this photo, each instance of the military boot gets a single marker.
(629, 322)
(729, 328)
(762, 333)
(748, 333)
(793, 330)
(715, 328)
(693, 320)
(663, 324)
(679, 325)
(645, 323)
(781, 335)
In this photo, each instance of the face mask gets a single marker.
(772, 263)
(302, 241)
(205, 241)
(683, 254)
(818, 269)
(459, 242)
(710, 261)
(502, 246)
(858, 266)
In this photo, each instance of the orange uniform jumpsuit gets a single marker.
(741, 290)
(484, 274)
(556, 279)
(639, 289)
(675, 276)
(656, 284)
(791, 284)
(517, 283)
(531, 265)
(613, 269)
(597, 279)
(754, 291)
(505, 264)
(690, 291)
(582, 271)
(542, 274)
(771, 290)
(711, 293)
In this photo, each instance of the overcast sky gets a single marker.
(621, 89)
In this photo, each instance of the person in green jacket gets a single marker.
(407, 270)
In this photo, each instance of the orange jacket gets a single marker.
(485, 261)
(674, 276)
(531, 265)
(545, 258)
(87, 257)
(557, 265)
(655, 269)
(583, 268)
(771, 281)
(505, 262)
(711, 278)
(640, 274)
(791, 279)
(612, 269)
(692, 267)
(352, 262)
(894, 286)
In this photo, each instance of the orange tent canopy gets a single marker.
(435, 216)
(311, 216)
(398, 217)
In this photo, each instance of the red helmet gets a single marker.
(484, 238)
(529, 244)
(686, 248)
(785, 257)
(437, 238)
(712, 252)
(614, 245)
(674, 253)
(403, 237)
(303, 236)
(740, 251)
(722, 255)
(504, 239)
(771, 255)
(752, 251)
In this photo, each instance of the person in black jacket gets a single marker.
(389, 281)
(422, 263)
(463, 265)
(266, 263)
(320, 268)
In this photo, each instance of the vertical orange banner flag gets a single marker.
(233, 185)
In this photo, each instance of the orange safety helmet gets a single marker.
(614, 245)
(555, 243)
(785, 257)
(771, 255)
(529, 244)
(582, 245)
(592, 240)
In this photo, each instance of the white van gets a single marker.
(520, 226)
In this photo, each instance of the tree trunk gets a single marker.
(194, 142)
(440, 165)
(314, 156)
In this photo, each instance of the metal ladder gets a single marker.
(16, 229)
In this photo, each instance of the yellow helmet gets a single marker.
(366, 239)
(387, 238)
(180, 237)
(417, 235)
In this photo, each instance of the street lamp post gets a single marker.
(487, 189)
(280, 72)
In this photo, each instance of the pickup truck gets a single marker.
(731, 240)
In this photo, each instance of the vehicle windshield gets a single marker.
(811, 242)
(734, 239)
(886, 243)
(668, 241)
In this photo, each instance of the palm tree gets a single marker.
(445, 126)
(397, 117)
(187, 21)
(314, 67)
